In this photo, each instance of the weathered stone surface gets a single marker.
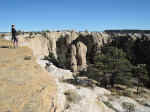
(25, 86)
(86, 44)
(81, 55)
(39, 45)
(74, 66)
(73, 60)
(52, 43)
(68, 40)
(119, 101)
(61, 74)
(85, 100)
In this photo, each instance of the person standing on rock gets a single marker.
(14, 38)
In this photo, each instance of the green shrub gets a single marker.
(19, 32)
(3, 35)
(30, 34)
(114, 65)
(27, 58)
(52, 59)
(147, 105)
(128, 106)
(110, 105)
(127, 93)
(72, 96)
(44, 34)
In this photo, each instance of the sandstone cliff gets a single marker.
(71, 48)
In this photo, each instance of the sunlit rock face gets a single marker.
(70, 47)
(64, 45)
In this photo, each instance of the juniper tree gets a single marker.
(141, 74)
(113, 64)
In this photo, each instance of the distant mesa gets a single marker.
(127, 31)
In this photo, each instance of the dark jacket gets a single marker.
(13, 31)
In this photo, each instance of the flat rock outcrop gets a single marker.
(24, 85)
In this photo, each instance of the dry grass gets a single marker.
(23, 82)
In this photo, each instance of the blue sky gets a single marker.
(93, 15)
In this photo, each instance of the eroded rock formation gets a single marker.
(70, 48)
(81, 55)
(73, 61)
(74, 49)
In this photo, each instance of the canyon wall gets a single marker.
(73, 49)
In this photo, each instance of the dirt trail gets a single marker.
(24, 85)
